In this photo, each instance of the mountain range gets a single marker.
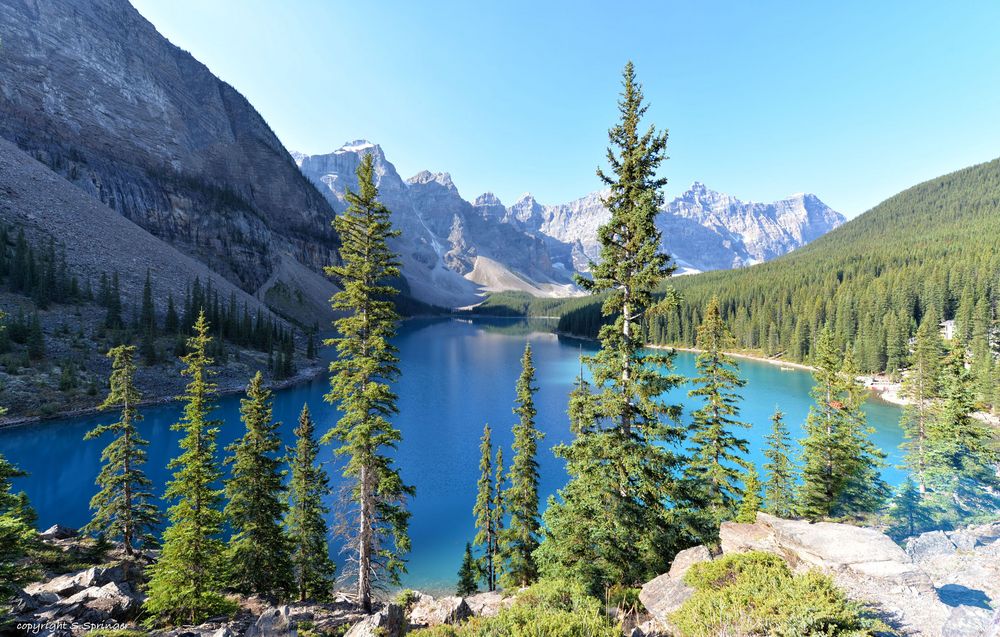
(92, 93)
(454, 250)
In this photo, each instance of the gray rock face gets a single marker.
(702, 229)
(967, 621)
(389, 622)
(488, 604)
(451, 252)
(688, 558)
(57, 532)
(664, 595)
(928, 545)
(93, 595)
(932, 588)
(97, 240)
(274, 622)
(94, 92)
(428, 611)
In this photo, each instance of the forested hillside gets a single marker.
(934, 248)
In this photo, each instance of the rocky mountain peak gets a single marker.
(487, 199)
(426, 177)
(357, 146)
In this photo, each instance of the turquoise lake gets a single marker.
(456, 376)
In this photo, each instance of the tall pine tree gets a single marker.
(185, 581)
(17, 538)
(779, 471)
(499, 511)
(716, 453)
(312, 569)
(520, 539)
(840, 474)
(909, 512)
(613, 522)
(258, 555)
(962, 452)
(487, 535)
(920, 386)
(360, 384)
(124, 508)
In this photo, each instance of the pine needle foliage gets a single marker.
(361, 380)
(124, 508)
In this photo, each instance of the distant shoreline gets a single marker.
(305, 375)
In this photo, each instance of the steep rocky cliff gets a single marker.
(90, 89)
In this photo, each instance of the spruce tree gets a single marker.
(779, 482)
(840, 474)
(822, 452)
(467, 574)
(258, 555)
(614, 522)
(716, 453)
(360, 386)
(124, 508)
(909, 513)
(499, 510)
(185, 581)
(920, 386)
(520, 539)
(961, 450)
(17, 537)
(312, 568)
(172, 323)
(751, 502)
(486, 518)
(865, 491)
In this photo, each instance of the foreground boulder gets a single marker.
(488, 604)
(273, 622)
(945, 584)
(865, 563)
(428, 611)
(57, 532)
(665, 594)
(388, 622)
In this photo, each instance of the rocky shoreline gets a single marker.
(107, 597)
(936, 584)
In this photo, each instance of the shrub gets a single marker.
(756, 594)
(552, 607)
(406, 598)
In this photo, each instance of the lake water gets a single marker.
(456, 376)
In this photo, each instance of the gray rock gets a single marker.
(688, 558)
(993, 630)
(428, 611)
(388, 622)
(663, 595)
(273, 622)
(868, 565)
(929, 544)
(57, 532)
(735, 537)
(967, 621)
(488, 604)
(148, 130)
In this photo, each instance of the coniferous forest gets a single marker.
(672, 517)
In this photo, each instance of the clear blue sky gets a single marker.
(852, 101)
